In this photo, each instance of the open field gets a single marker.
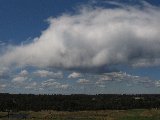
(137, 114)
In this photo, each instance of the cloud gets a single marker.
(32, 86)
(157, 83)
(64, 86)
(94, 38)
(19, 79)
(105, 78)
(45, 73)
(75, 75)
(24, 73)
(2, 43)
(115, 76)
(51, 83)
(124, 77)
(83, 81)
(4, 72)
(2, 86)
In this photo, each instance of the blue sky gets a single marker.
(25, 19)
(79, 46)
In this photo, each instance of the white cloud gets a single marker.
(105, 78)
(2, 43)
(157, 83)
(75, 75)
(2, 86)
(123, 77)
(19, 79)
(83, 81)
(93, 38)
(32, 86)
(23, 73)
(51, 83)
(45, 73)
(3, 71)
(64, 86)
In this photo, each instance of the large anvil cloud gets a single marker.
(93, 38)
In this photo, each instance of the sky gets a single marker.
(80, 46)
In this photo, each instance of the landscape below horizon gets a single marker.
(79, 107)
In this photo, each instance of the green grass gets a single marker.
(139, 114)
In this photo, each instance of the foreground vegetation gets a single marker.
(135, 114)
(79, 107)
(78, 102)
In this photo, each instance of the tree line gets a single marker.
(76, 102)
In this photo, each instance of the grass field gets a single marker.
(141, 114)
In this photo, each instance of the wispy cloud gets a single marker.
(32, 85)
(157, 83)
(51, 83)
(2, 86)
(50, 74)
(83, 81)
(124, 77)
(3, 72)
(2, 43)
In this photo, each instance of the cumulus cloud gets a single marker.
(124, 77)
(3, 72)
(24, 73)
(157, 83)
(83, 81)
(93, 38)
(64, 86)
(19, 79)
(52, 83)
(45, 73)
(105, 78)
(32, 85)
(75, 75)
(2, 86)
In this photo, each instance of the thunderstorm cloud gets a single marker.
(92, 38)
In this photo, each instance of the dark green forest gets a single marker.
(77, 102)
